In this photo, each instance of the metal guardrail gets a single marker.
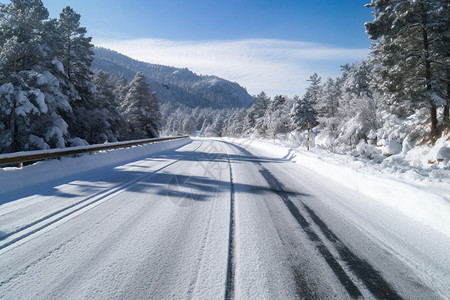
(20, 157)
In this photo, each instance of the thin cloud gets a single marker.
(273, 66)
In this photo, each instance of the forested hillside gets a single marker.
(174, 84)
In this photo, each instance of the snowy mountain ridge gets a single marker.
(174, 84)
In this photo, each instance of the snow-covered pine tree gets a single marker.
(141, 109)
(277, 116)
(254, 121)
(205, 118)
(32, 103)
(106, 110)
(88, 121)
(121, 89)
(167, 121)
(21, 27)
(19, 51)
(357, 78)
(76, 53)
(304, 108)
(189, 125)
(407, 47)
(238, 122)
(358, 111)
(327, 105)
(234, 122)
(441, 21)
(302, 113)
(156, 118)
(217, 126)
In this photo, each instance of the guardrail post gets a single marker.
(20, 165)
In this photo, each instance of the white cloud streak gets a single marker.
(273, 66)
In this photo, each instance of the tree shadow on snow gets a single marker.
(141, 179)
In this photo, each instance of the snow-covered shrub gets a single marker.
(76, 142)
(326, 140)
(36, 142)
(366, 150)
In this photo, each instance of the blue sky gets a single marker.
(270, 45)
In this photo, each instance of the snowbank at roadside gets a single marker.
(43, 171)
(421, 193)
(407, 160)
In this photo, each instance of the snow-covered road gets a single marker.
(212, 220)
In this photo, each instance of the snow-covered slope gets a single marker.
(174, 84)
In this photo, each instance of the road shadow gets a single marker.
(195, 187)
(168, 183)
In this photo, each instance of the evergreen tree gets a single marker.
(167, 121)
(255, 115)
(408, 48)
(358, 111)
(278, 115)
(22, 30)
(441, 19)
(76, 52)
(327, 105)
(189, 125)
(87, 121)
(302, 113)
(235, 122)
(357, 79)
(141, 109)
(121, 89)
(217, 126)
(108, 125)
(310, 101)
(357, 93)
(32, 103)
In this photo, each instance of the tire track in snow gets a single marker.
(371, 278)
(201, 259)
(368, 275)
(340, 273)
(231, 265)
(61, 214)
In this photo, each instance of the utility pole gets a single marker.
(307, 144)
